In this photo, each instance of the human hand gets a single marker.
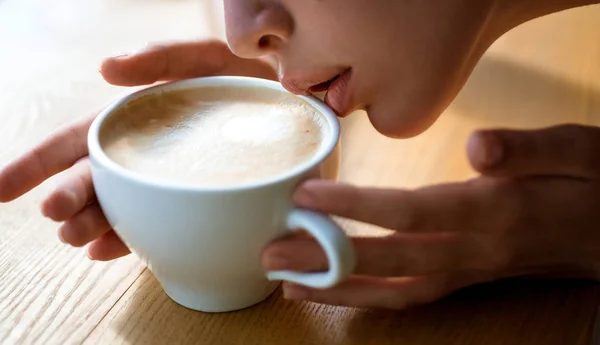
(74, 202)
(533, 211)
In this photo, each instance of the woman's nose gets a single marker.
(257, 27)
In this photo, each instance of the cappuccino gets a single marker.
(214, 136)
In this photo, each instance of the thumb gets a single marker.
(570, 150)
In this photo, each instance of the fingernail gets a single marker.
(494, 152)
(60, 236)
(87, 253)
(305, 197)
(276, 263)
(136, 51)
(44, 211)
(120, 56)
(486, 149)
(295, 292)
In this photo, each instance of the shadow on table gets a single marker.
(505, 92)
(510, 312)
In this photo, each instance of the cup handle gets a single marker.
(337, 246)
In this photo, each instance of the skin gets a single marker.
(532, 210)
(427, 67)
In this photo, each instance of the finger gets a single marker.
(84, 227)
(390, 256)
(72, 195)
(570, 150)
(180, 61)
(108, 247)
(47, 159)
(434, 209)
(387, 293)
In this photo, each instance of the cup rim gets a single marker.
(98, 156)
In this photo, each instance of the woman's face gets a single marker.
(402, 61)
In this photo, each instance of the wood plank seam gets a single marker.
(112, 306)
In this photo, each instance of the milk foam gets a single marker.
(214, 136)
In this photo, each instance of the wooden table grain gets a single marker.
(542, 73)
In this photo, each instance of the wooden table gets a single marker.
(545, 72)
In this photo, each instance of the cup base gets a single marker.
(216, 302)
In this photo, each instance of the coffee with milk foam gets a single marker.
(214, 136)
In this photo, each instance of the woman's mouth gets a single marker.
(338, 93)
(337, 86)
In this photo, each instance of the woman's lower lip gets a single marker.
(338, 93)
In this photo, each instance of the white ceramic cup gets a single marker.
(204, 244)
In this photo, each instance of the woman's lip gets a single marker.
(338, 93)
(302, 83)
(324, 86)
